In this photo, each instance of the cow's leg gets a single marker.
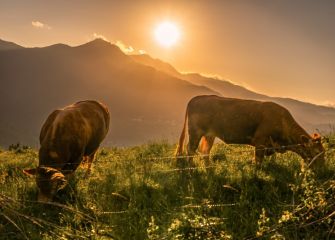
(90, 159)
(261, 142)
(186, 175)
(193, 143)
(259, 154)
(84, 161)
(205, 147)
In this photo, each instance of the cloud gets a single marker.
(126, 49)
(141, 51)
(97, 35)
(40, 25)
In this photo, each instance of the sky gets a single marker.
(276, 47)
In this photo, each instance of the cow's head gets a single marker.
(312, 150)
(49, 181)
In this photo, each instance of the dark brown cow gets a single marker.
(67, 137)
(260, 124)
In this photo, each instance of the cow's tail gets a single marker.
(180, 148)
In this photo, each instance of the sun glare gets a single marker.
(167, 34)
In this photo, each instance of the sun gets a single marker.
(167, 34)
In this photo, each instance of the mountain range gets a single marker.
(146, 97)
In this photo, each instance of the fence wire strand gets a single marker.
(286, 147)
(188, 206)
(183, 169)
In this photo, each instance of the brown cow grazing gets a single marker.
(68, 135)
(260, 124)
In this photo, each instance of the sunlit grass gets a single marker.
(139, 193)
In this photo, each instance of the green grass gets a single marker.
(137, 193)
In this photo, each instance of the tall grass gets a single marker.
(137, 193)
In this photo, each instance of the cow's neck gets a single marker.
(296, 133)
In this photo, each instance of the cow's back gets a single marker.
(73, 131)
(95, 118)
(235, 120)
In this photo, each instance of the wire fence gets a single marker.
(286, 147)
(144, 169)
(188, 206)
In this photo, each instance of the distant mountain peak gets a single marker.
(98, 42)
(59, 46)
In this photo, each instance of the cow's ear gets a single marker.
(316, 137)
(30, 172)
(304, 139)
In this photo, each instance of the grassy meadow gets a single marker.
(140, 193)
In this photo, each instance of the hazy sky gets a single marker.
(277, 47)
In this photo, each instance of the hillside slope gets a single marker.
(146, 97)
(145, 103)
